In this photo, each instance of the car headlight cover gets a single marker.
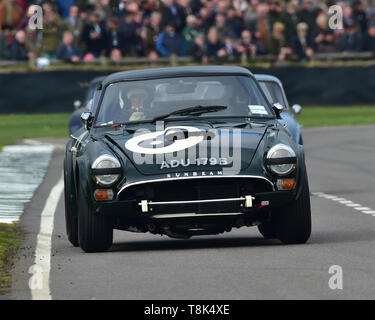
(281, 160)
(106, 170)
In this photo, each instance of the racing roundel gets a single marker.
(161, 142)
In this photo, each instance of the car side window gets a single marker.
(273, 92)
(96, 99)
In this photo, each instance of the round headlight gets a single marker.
(106, 163)
(281, 159)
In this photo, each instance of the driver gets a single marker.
(137, 98)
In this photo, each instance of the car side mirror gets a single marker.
(77, 104)
(87, 119)
(278, 108)
(297, 109)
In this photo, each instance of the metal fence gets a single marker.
(176, 60)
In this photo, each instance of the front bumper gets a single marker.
(132, 209)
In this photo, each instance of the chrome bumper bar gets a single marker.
(146, 206)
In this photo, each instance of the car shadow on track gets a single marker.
(191, 244)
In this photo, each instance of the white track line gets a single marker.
(348, 203)
(39, 281)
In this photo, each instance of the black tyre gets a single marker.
(300, 139)
(95, 232)
(293, 224)
(71, 220)
(268, 230)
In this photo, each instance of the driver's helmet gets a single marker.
(137, 92)
(143, 92)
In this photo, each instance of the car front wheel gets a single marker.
(293, 222)
(300, 139)
(71, 221)
(267, 230)
(95, 232)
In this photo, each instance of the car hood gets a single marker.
(189, 148)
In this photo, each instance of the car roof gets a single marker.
(97, 80)
(176, 72)
(267, 77)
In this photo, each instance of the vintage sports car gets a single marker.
(184, 151)
(75, 122)
(274, 91)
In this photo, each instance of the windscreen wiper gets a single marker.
(196, 110)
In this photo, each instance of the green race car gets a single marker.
(184, 151)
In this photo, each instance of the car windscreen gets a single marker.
(273, 92)
(146, 99)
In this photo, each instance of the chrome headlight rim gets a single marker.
(99, 179)
(273, 167)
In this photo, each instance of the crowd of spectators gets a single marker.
(76, 30)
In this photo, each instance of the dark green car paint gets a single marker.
(93, 146)
(88, 145)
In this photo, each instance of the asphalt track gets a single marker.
(236, 265)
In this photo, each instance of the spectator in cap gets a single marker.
(327, 44)
(351, 40)
(170, 42)
(369, 42)
(302, 44)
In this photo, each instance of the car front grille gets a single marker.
(196, 189)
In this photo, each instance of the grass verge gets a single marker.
(10, 237)
(21, 126)
(336, 116)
